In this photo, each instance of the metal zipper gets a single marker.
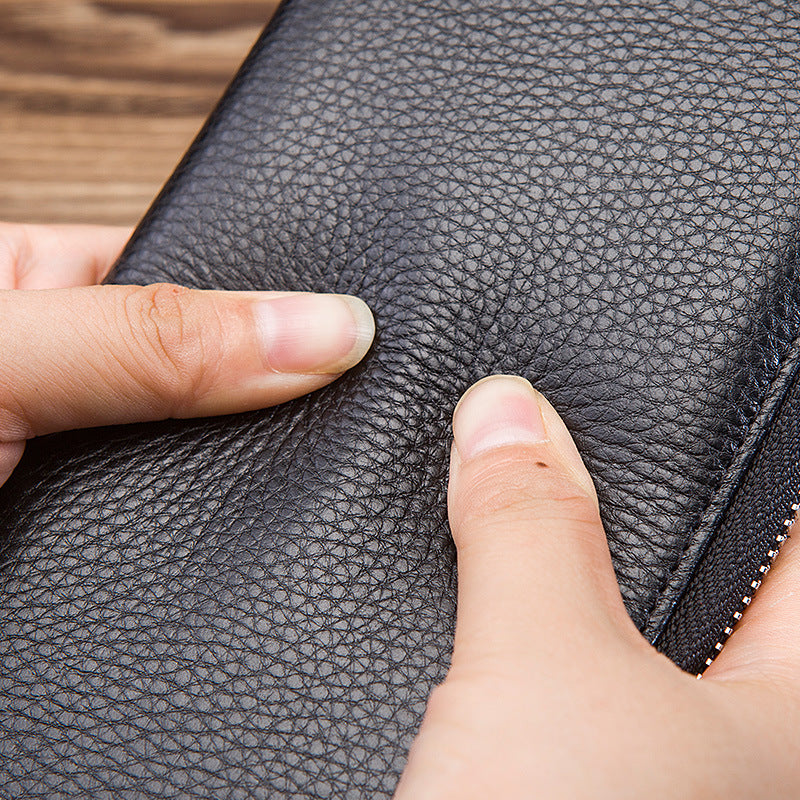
(755, 584)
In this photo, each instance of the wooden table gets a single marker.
(99, 99)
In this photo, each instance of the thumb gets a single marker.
(112, 354)
(534, 570)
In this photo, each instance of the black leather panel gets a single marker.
(594, 195)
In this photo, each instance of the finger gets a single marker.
(534, 569)
(10, 454)
(57, 256)
(766, 643)
(112, 354)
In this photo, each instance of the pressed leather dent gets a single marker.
(597, 197)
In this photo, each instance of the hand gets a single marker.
(552, 692)
(74, 355)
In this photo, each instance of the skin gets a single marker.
(74, 354)
(552, 692)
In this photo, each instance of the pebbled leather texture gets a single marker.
(599, 196)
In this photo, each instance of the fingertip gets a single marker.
(502, 410)
(496, 411)
(764, 644)
(365, 330)
(564, 444)
(309, 334)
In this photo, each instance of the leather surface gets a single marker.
(598, 196)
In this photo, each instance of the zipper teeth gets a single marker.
(765, 567)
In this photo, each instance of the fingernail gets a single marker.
(313, 333)
(499, 410)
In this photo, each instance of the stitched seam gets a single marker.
(756, 430)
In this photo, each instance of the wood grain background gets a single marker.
(99, 98)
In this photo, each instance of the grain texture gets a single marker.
(597, 196)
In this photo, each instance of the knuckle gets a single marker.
(439, 701)
(161, 322)
(444, 713)
(517, 490)
(14, 425)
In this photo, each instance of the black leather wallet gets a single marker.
(598, 196)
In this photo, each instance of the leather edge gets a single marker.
(196, 144)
